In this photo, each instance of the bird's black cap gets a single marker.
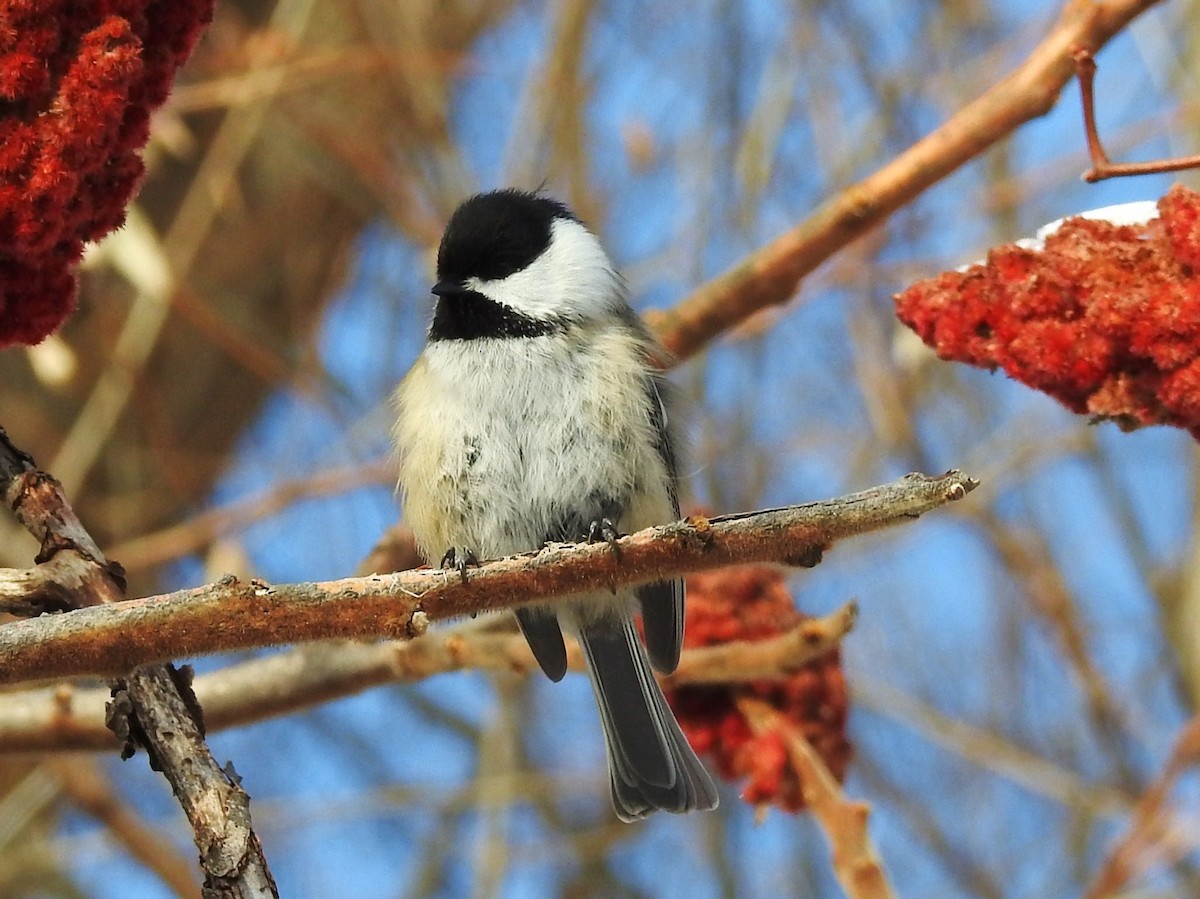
(492, 235)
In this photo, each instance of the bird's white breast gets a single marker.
(500, 438)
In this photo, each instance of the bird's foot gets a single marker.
(604, 529)
(459, 558)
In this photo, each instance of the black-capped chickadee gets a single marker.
(534, 415)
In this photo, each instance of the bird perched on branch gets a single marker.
(532, 415)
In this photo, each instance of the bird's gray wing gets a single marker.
(662, 601)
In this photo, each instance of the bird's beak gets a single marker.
(449, 288)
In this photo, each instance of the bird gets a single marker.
(534, 414)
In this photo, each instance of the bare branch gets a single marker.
(66, 717)
(1102, 166)
(153, 709)
(199, 532)
(770, 275)
(993, 752)
(232, 615)
(856, 861)
(1150, 835)
(212, 797)
(32, 591)
(777, 657)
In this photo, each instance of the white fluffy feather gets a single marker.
(557, 428)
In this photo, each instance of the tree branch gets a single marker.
(1103, 167)
(65, 717)
(1152, 833)
(856, 861)
(153, 708)
(770, 275)
(231, 615)
(200, 531)
(218, 809)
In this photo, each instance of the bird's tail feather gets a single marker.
(651, 764)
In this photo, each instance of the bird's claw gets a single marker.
(604, 529)
(459, 558)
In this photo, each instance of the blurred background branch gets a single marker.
(63, 717)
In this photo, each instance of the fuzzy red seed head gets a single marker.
(78, 82)
(751, 602)
(1105, 318)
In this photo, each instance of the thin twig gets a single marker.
(199, 532)
(1150, 835)
(992, 751)
(1102, 167)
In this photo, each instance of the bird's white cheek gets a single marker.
(573, 278)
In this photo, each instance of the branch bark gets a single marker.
(856, 861)
(66, 717)
(152, 708)
(770, 276)
(230, 614)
